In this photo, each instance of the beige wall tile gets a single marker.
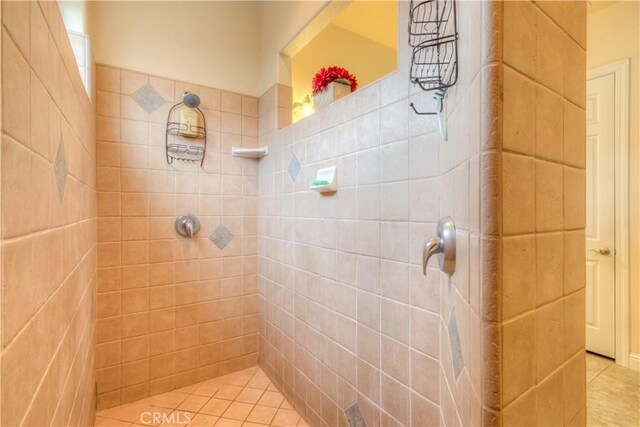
(16, 74)
(519, 194)
(423, 411)
(518, 359)
(137, 323)
(549, 267)
(554, 9)
(575, 191)
(107, 129)
(39, 118)
(575, 21)
(550, 395)
(108, 204)
(574, 259)
(131, 81)
(574, 319)
(135, 300)
(550, 49)
(108, 304)
(575, 66)
(519, 275)
(17, 194)
(21, 297)
(15, 19)
(134, 276)
(522, 411)
(107, 104)
(108, 329)
(135, 372)
(520, 36)
(422, 368)
(574, 135)
(108, 354)
(549, 125)
(108, 279)
(134, 349)
(231, 102)
(135, 204)
(44, 102)
(107, 79)
(549, 196)
(395, 399)
(549, 336)
(574, 386)
(108, 379)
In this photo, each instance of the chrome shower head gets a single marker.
(191, 100)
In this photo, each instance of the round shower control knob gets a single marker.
(187, 225)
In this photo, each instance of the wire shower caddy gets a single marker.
(433, 36)
(184, 142)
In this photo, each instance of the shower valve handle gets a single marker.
(432, 247)
(187, 225)
(444, 244)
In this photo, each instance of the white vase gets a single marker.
(334, 91)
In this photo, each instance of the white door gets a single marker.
(600, 231)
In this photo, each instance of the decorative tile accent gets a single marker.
(454, 342)
(60, 169)
(221, 237)
(294, 168)
(148, 98)
(354, 416)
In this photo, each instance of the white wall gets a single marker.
(212, 43)
(613, 33)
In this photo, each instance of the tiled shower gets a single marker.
(172, 311)
(104, 304)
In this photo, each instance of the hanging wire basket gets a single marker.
(186, 141)
(433, 34)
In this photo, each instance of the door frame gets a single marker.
(620, 70)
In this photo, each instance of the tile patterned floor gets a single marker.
(613, 393)
(247, 398)
(244, 398)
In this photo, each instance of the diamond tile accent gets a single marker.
(148, 98)
(294, 168)
(221, 237)
(354, 416)
(454, 342)
(60, 169)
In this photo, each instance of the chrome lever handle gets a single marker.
(444, 245)
(431, 248)
(187, 225)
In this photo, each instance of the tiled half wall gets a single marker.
(543, 68)
(345, 312)
(172, 311)
(48, 223)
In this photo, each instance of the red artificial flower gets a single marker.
(325, 76)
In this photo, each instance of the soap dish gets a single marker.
(326, 180)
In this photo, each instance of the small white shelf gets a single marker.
(331, 176)
(249, 153)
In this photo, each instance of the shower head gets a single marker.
(191, 100)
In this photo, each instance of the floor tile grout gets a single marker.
(236, 384)
(605, 406)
